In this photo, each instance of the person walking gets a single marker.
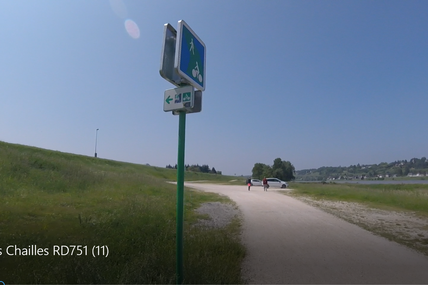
(265, 184)
(249, 183)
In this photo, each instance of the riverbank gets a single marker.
(398, 181)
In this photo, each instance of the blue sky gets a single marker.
(318, 83)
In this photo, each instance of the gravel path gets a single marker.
(289, 241)
(404, 227)
(220, 215)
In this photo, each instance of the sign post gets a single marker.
(180, 194)
(182, 64)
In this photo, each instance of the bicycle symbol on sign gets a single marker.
(196, 73)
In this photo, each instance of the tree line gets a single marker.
(280, 169)
(397, 168)
(197, 168)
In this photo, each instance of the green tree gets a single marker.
(398, 171)
(277, 164)
(258, 170)
(288, 170)
(283, 170)
(280, 169)
(405, 170)
(267, 171)
(205, 168)
(194, 168)
(278, 173)
(277, 169)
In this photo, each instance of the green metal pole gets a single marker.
(180, 194)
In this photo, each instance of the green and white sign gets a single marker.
(190, 56)
(181, 98)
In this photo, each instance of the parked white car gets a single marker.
(275, 182)
(256, 182)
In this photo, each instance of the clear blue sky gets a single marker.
(318, 83)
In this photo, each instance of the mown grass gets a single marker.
(409, 197)
(51, 198)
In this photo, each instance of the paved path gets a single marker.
(289, 241)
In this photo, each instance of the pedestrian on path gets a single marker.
(249, 183)
(265, 184)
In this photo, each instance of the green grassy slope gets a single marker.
(51, 198)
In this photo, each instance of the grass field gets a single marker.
(51, 198)
(407, 197)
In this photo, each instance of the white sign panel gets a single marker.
(181, 98)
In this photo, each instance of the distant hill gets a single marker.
(415, 167)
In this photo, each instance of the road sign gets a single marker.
(181, 98)
(197, 104)
(190, 56)
(182, 62)
(167, 70)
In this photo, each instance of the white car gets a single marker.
(275, 182)
(256, 182)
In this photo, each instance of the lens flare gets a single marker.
(132, 29)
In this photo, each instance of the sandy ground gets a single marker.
(291, 241)
(404, 227)
(220, 215)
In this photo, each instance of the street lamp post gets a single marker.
(96, 138)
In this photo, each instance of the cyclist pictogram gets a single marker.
(187, 97)
(196, 73)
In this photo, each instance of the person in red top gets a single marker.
(265, 184)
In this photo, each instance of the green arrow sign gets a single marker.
(169, 99)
